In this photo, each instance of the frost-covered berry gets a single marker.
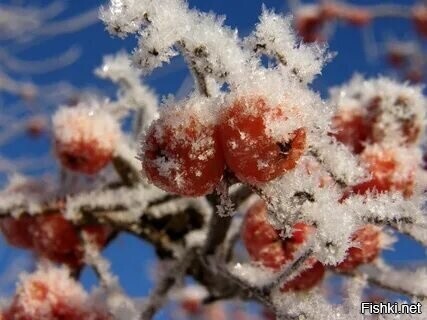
(57, 239)
(182, 153)
(252, 151)
(18, 231)
(366, 248)
(51, 294)
(266, 247)
(391, 169)
(307, 279)
(85, 138)
(378, 111)
(351, 128)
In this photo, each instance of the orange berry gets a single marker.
(85, 138)
(182, 154)
(250, 152)
(367, 248)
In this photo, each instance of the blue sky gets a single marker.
(131, 259)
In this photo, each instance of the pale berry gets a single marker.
(51, 294)
(251, 153)
(388, 172)
(182, 154)
(85, 138)
(367, 247)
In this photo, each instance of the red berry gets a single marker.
(57, 239)
(351, 129)
(309, 22)
(191, 306)
(367, 248)
(182, 153)
(51, 295)
(18, 231)
(265, 246)
(250, 152)
(85, 138)
(419, 16)
(307, 279)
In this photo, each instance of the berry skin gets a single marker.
(182, 154)
(51, 295)
(351, 129)
(250, 152)
(265, 246)
(388, 173)
(18, 231)
(307, 279)
(367, 248)
(85, 138)
(57, 239)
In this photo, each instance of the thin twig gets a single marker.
(158, 297)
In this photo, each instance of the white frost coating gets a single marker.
(179, 205)
(170, 22)
(135, 201)
(59, 287)
(337, 159)
(133, 94)
(191, 292)
(255, 275)
(386, 208)
(276, 33)
(396, 103)
(87, 122)
(118, 303)
(414, 281)
(297, 197)
(354, 291)
(122, 17)
(24, 194)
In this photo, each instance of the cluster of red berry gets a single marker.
(51, 236)
(377, 143)
(51, 297)
(265, 246)
(189, 158)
